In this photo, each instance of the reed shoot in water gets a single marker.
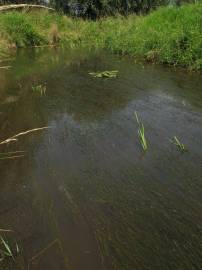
(141, 133)
(40, 89)
(180, 145)
(6, 250)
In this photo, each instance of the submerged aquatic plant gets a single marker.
(141, 133)
(6, 250)
(105, 74)
(40, 89)
(180, 145)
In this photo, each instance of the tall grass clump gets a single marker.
(19, 30)
(170, 35)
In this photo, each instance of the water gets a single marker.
(85, 195)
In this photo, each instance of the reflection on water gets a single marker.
(85, 196)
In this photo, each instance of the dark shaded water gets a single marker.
(85, 196)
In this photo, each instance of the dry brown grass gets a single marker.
(54, 34)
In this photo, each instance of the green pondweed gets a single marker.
(141, 133)
(40, 89)
(105, 74)
(180, 145)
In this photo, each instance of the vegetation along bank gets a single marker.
(171, 35)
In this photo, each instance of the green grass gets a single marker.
(6, 250)
(19, 30)
(169, 35)
(141, 133)
(180, 145)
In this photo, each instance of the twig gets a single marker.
(6, 59)
(13, 152)
(14, 138)
(6, 67)
(12, 157)
(56, 241)
(47, 45)
(21, 6)
(3, 230)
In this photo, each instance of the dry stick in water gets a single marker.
(56, 241)
(3, 230)
(13, 152)
(5, 67)
(15, 137)
(12, 157)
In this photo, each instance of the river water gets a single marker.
(82, 194)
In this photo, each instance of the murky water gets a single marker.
(84, 195)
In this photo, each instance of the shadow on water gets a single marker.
(85, 196)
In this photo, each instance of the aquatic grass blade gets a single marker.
(17, 248)
(142, 137)
(141, 133)
(180, 145)
(137, 119)
(7, 251)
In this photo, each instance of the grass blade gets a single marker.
(180, 145)
(7, 251)
(141, 133)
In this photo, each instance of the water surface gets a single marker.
(85, 195)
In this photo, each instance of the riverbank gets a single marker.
(169, 35)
